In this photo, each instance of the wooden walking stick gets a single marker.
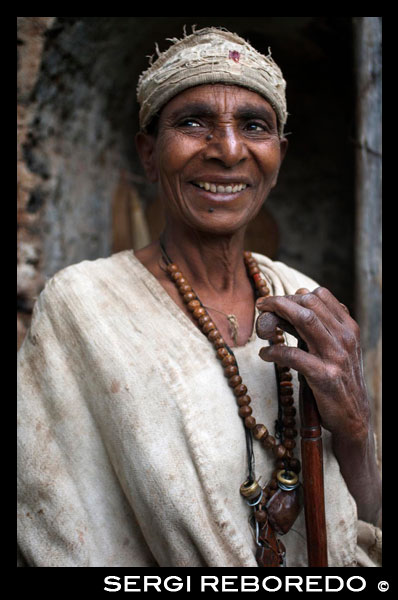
(311, 452)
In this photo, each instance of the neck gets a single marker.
(214, 263)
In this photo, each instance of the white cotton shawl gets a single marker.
(130, 448)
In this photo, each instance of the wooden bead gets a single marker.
(250, 422)
(278, 339)
(234, 380)
(184, 289)
(269, 442)
(245, 411)
(289, 432)
(180, 281)
(231, 370)
(260, 432)
(188, 297)
(228, 360)
(294, 465)
(289, 411)
(219, 343)
(208, 326)
(198, 312)
(175, 275)
(282, 369)
(286, 391)
(240, 390)
(289, 443)
(285, 377)
(172, 268)
(247, 254)
(280, 464)
(287, 400)
(204, 319)
(288, 421)
(279, 451)
(192, 305)
(253, 270)
(213, 334)
(222, 353)
(243, 400)
(263, 291)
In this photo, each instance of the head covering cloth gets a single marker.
(210, 55)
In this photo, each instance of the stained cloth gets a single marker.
(207, 56)
(130, 448)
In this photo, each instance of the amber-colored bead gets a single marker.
(192, 305)
(243, 400)
(260, 516)
(208, 327)
(228, 360)
(245, 411)
(288, 421)
(231, 370)
(234, 380)
(240, 390)
(250, 422)
(287, 400)
(198, 312)
(260, 432)
(213, 334)
(286, 384)
(278, 339)
(247, 254)
(222, 353)
(253, 270)
(188, 297)
(289, 411)
(269, 441)
(289, 432)
(279, 451)
(204, 319)
(289, 443)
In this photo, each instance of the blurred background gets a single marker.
(82, 193)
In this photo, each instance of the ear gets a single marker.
(283, 150)
(145, 145)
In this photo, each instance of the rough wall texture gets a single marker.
(78, 115)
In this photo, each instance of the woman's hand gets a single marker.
(333, 369)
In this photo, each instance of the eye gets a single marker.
(189, 123)
(255, 126)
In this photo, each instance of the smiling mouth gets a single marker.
(215, 188)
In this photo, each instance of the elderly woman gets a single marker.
(151, 431)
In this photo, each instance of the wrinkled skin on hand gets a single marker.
(333, 364)
(333, 370)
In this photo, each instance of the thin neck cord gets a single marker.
(248, 433)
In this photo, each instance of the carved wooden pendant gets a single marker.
(272, 552)
(283, 509)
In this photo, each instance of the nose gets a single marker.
(226, 146)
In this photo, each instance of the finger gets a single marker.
(339, 310)
(294, 358)
(302, 313)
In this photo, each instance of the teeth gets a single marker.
(222, 189)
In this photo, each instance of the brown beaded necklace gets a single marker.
(285, 474)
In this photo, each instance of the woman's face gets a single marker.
(215, 158)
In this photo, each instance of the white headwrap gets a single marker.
(210, 55)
